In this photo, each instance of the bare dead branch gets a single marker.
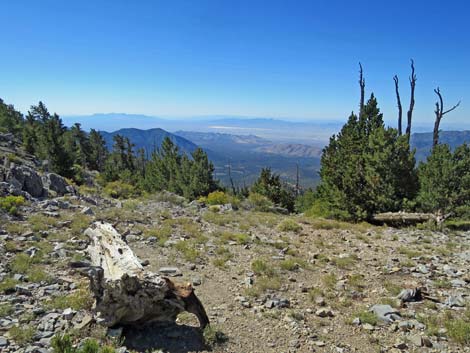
(449, 110)
(440, 112)
(409, 114)
(362, 84)
(400, 109)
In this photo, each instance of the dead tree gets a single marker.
(400, 109)
(125, 293)
(412, 100)
(297, 180)
(362, 84)
(439, 114)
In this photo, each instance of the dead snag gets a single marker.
(439, 114)
(409, 114)
(400, 109)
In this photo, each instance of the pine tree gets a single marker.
(78, 146)
(201, 174)
(11, 120)
(445, 180)
(270, 185)
(366, 168)
(98, 151)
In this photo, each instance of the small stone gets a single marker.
(458, 283)
(319, 343)
(426, 342)
(368, 327)
(68, 314)
(170, 271)
(197, 281)
(400, 345)
(320, 301)
(22, 290)
(3, 342)
(356, 321)
(145, 263)
(323, 312)
(152, 239)
(455, 300)
(85, 321)
(385, 313)
(415, 340)
(87, 211)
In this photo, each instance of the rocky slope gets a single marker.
(269, 282)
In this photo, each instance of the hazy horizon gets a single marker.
(246, 58)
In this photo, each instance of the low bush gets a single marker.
(289, 225)
(10, 204)
(22, 335)
(259, 202)
(217, 198)
(64, 344)
(121, 190)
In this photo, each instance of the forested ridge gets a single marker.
(367, 168)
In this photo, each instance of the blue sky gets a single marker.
(290, 59)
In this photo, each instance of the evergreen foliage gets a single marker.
(171, 171)
(11, 120)
(366, 168)
(70, 152)
(270, 185)
(445, 180)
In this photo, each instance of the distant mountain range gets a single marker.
(315, 132)
(249, 143)
(244, 144)
(149, 139)
(423, 141)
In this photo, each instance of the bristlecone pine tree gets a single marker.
(366, 168)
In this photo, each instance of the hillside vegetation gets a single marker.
(277, 268)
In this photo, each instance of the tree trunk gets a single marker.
(362, 85)
(439, 114)
(412, 100)
(125, 293)
(400, 109)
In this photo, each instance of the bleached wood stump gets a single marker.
(125, 293)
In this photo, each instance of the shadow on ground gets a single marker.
(169, 337)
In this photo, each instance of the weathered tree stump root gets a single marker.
(125, 293)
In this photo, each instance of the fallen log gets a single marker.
(403, 218)
(125, 293)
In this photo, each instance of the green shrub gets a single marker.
(217, 198)
(261, 267)
(22, 335)
(289, 225)
(459, 330)
(10, 204)
(78, 300)
(6, 309)
(62, 344)
(240, 238)
(13, 158)
(187, 248)
(292, 264)
(305, 201)
(8, 284)
(367, 317)
(259, 202)
(212, 336)
(121, 190)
